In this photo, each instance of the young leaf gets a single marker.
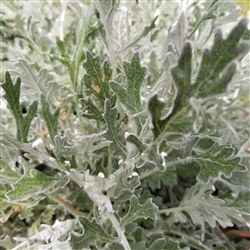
(158, 244)
(218, 159)
(107, 11)
(136, 210)
(29, 186)
(51, 119)
(131, 96)
(7, 175)
(176, 36)
(12, 95)
(125, 184)
(136, 141)
(93, 233)
(111, 133)
(7, 243)
(145, 31)
(168, 178)
(174, 245)
(91, 110)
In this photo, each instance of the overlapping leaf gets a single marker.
(125, 184)
(137, 210)
(95, 84)
(111, 131)
(12, 95)
(216, 71)
(130, 96)
(29, 186)
(7, 174)
(51, 119)
(174, 245)
(158, 244)
(203, 207)
(93, 234)
(215, 60)
(218, 160)
(37, 82)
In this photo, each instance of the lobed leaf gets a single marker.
(28, 186)
(37, 82)
(215, 60)
(131, 96)
(158, 244)
(7, 175)
(51, 119)
(12, 96)
(111, 133)
(93, 233)
(174, 245)
(96, 83)
(203, 207)
(218, 160)
(136, 210)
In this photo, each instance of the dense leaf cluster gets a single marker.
(124, 131)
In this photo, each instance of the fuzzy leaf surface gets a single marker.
(130, 96)
(174, 245)
(51, 119)
(98, 77)
(37, 82)
(218, 159)
(93, 233)
(7, 175)
(217, 58)
(95, 82)
(202, 207)
(157, 244)
(181, 74)
(29, 186)
(12, 95)
(137, 210)
(111, 133)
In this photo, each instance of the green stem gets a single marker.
(198, 243)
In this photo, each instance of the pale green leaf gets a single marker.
(37, 81)
(7, 174)
(107, 11)
(126, 184)
(174, 245)
(137, 210)
(158, 244)
(176, 36)
(7, 242)
(29, 186)
(202, 207)
(145, 31)
(93, 233)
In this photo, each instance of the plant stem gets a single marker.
(197, 242)
(119, 230)
(170, 164)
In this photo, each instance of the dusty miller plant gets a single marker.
(124, 125)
